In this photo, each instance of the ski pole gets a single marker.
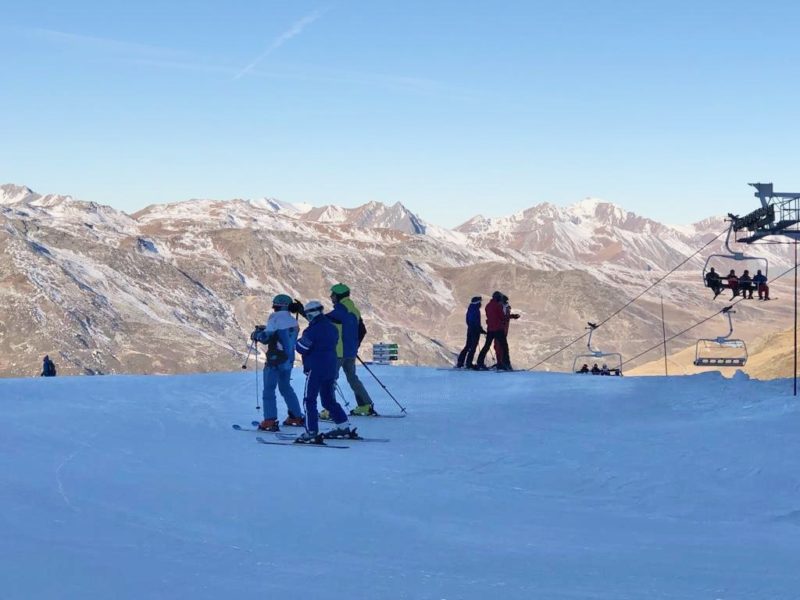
(381, 383)
(258, 402)
(249, 351)
(341, 395)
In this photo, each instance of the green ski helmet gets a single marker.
(340, 290)
(281, 301)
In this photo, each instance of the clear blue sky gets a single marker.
(452, 107)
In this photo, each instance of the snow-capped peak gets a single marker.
(11, 194)
(281, 207)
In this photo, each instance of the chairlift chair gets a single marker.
(596, 356)
(717, 259)
(722, 351)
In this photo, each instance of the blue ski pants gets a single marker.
(325, 390)
(280, 378)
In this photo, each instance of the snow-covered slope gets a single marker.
(512, 486)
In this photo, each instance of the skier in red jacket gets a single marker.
(495, 327)
(500, 352)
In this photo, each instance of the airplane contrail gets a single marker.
(279, 41)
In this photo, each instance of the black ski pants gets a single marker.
(468, 353)
(500, 336)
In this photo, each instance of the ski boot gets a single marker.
(291, 421)
(364, 410)
(310, 437)
(269, 425)
(341, 431)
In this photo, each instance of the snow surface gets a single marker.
(521, 485)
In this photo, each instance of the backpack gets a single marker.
(276, 355)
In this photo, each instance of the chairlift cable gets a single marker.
(680, 333)
(634, 299)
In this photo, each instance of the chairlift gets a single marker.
(613, 360)
(760, 263)
(722, 351)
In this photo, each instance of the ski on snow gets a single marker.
(261, 440)
(289, 436)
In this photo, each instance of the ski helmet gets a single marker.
(312, 309)
(281, 301)
(340, 290)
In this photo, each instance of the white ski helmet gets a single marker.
(312, 309)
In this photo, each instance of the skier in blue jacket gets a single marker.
(474, 331)
(280, 336)
(318, 347)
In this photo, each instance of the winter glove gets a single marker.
(256, 332)
(514, 316)
(296, 308)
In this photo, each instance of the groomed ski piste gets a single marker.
(532, 485)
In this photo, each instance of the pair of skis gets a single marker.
(288, 439)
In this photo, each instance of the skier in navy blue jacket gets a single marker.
(474, 331)
(318, 348)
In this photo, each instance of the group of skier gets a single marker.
(743, 284)
(329, 343)
(498, 319)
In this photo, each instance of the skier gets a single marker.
(280, 336)
(583, 369)
(48, 367)
(503, 358)
(496, 330)
(595, 369)
(714, 281)
(318, 348)
(761, 284)
(347, 318)
(474, 331)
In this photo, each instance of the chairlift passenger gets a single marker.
(760, 281)
(733, 283)
(746, 285)
(595, 369)
(714, 281)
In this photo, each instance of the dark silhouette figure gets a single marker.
(746, 285)
(495, 326)
(714, 281)
(733, 283)
(48, 367)
(760, 281)
(474, 331)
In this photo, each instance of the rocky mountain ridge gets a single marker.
(177, 287)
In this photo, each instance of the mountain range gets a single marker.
(178, 287)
